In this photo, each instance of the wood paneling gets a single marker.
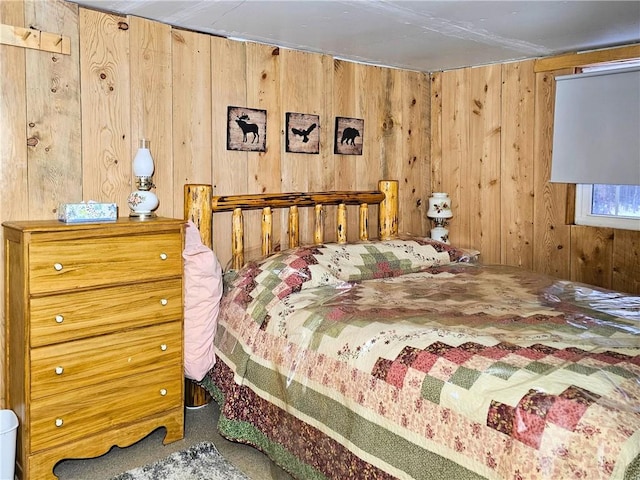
(53, 112)
(626, 261)
(191, 112)
(264, 171)
(344, 104)
(151, 103)
(483, 170)
(14, 186)
(552, 235)
(414, 173)
(535, 215)
(435, 132)
(301, 94)
(106, 142)
(229, 168)
(466, 112)
(592, 255)
(455, 150)
(516, 211)
(371, 95)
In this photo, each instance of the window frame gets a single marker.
(583, 215)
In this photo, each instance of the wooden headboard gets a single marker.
(200, 204)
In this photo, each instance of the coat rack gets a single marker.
(31, 38)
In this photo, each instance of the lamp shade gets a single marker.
(143, 162)
(439, 206)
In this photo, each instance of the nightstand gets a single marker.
(93, 336)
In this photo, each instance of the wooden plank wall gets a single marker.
(71, 124)
(491, 138)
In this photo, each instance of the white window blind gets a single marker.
(596, 131)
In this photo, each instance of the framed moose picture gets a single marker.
(246, 129)
(349, 135)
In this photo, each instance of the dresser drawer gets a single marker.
(72, 264)
(56, 369)
(58, 318)
(75, 414)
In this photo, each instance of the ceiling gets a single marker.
(415, 35)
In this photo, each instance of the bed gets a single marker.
(403, 357)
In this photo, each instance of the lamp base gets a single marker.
(142, 203)
(142, 215)
(440, 234)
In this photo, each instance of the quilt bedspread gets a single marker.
(398, 352)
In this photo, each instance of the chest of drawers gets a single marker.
(94, 336)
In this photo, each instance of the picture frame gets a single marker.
(349, 136)
(302, 134)
(246, 129)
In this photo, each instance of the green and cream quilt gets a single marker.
(398, 360)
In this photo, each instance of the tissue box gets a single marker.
(87, 212)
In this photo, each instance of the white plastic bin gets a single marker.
(8, 428)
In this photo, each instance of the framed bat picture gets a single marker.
(349, 136)
(303, 133)
(246, 129)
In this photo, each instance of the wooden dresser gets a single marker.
(94, 336)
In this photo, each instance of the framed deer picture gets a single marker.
(303, 133)
(246, 129)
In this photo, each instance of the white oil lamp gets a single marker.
(143, 201)
(440, 212)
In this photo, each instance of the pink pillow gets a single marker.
(202, 293)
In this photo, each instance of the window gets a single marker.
(615, 206)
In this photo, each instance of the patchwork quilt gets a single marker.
(398, 360)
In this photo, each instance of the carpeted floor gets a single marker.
(199, 427)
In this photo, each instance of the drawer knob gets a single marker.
(163, 391)
(163, 347)
(163, 256)
(59, 422)
(164, 301)
(59, 370)
(57, 266)
(59, 319)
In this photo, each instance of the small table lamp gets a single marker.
(143, 201)
(440, 211)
